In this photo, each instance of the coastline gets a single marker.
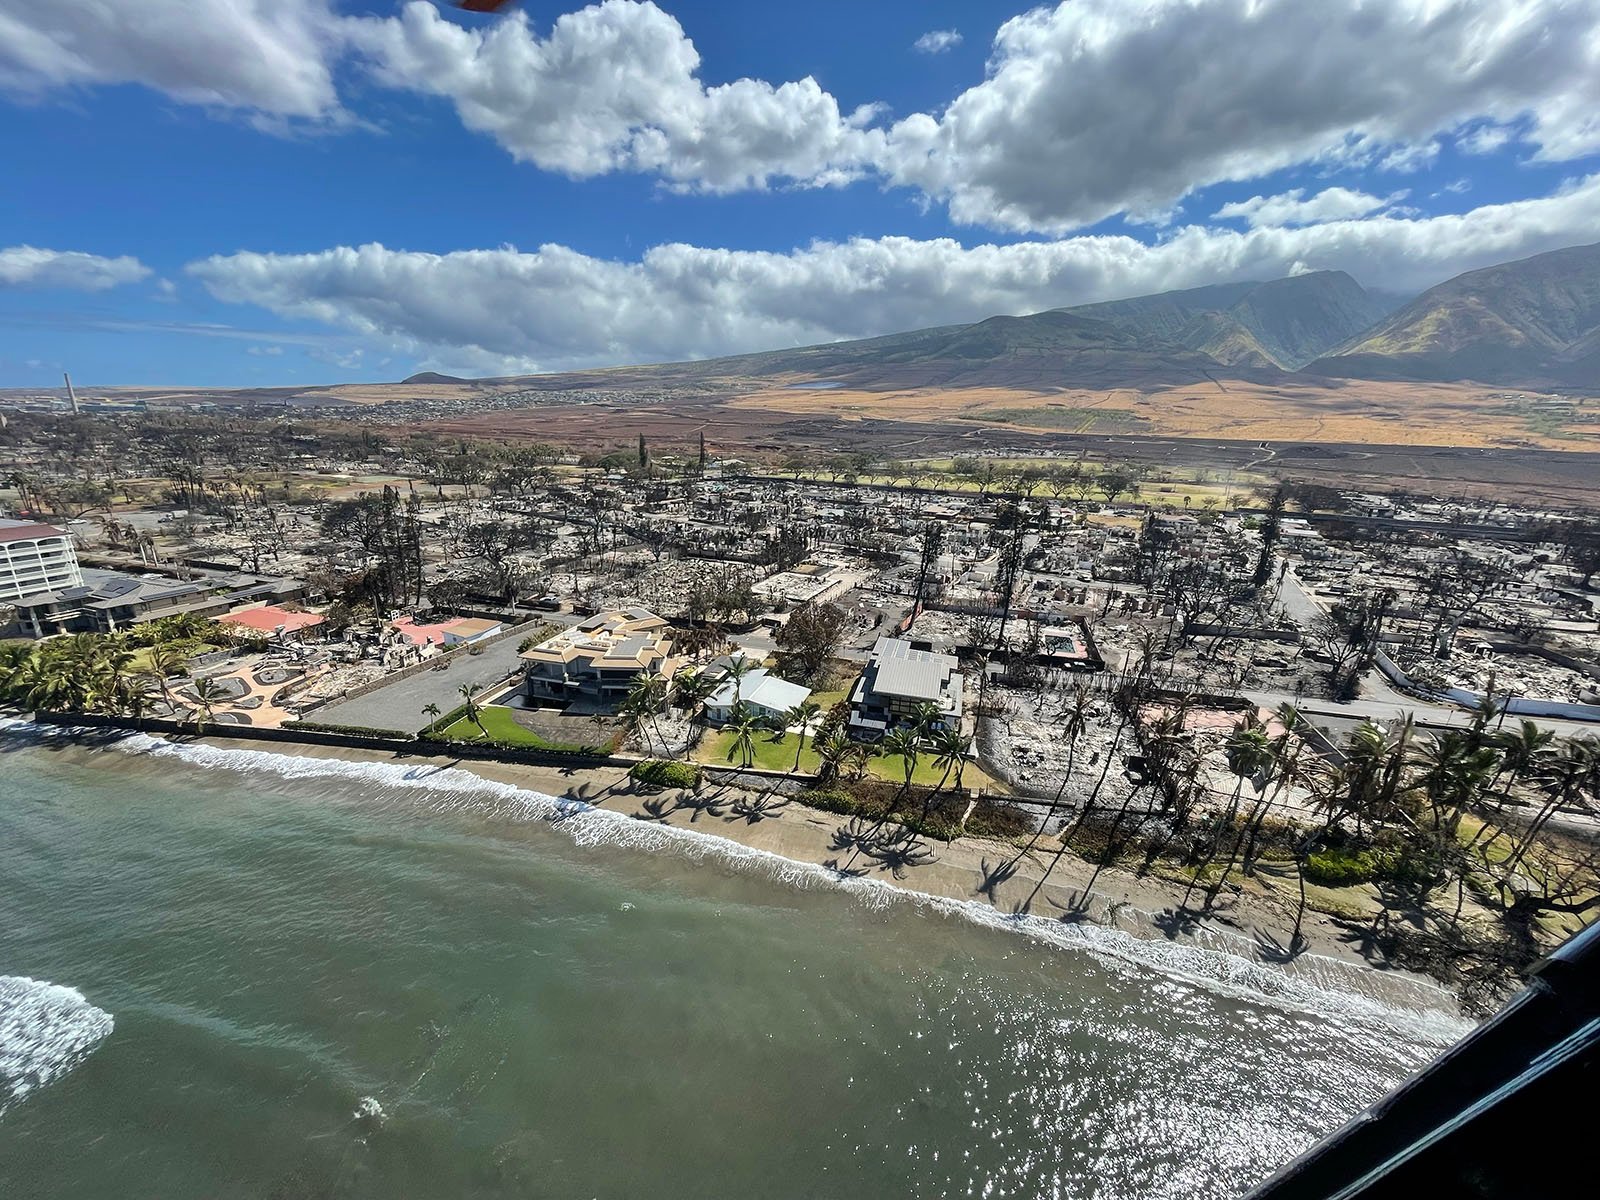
(1122, 903)
(1128, 916)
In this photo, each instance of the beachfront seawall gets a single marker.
(325, 737)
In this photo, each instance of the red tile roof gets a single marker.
(269, 617)
(27, 531)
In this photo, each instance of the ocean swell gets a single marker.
(1326, 987)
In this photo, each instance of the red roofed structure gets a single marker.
(269, 618)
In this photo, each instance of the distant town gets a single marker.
(1239, 679)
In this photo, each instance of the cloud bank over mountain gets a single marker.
(554, 308)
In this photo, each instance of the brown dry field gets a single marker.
(1336, 411)
(1343, 434)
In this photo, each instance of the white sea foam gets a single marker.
(45, 1031)
(369, 1113)
(1216, 960)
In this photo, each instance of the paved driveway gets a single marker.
(399, 705)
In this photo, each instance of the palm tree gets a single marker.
(1249, 753)
(1523, 751)
(1447, 767)
(13, 657)
(904, 743)
(206, 694)
(801, 716)
(744, 727)
(469, 699)
(163, 660)
(832, 748)
(1571, 772)
(432, 712)
(48, 682)
(694, 688)
(952, 751)
(857, 758)
(950, 754)
(925, 718)
(644, 701)
(1286, 770)
(738, 667)
(110, 684)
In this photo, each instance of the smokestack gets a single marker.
(72, 396)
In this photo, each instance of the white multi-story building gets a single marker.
(35, 558)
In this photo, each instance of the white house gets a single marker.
(764, 694)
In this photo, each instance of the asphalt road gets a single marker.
(399, 705)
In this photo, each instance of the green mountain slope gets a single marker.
(1284, 323)
(1528, 323)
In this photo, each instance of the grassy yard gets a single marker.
(772, 754)
(502, 727)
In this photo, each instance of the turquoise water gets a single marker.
(256, 975)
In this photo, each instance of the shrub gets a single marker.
(936, 823)
(834, 800)
(1342, 868)
(662, 773)
(355, 730)
(999, 820)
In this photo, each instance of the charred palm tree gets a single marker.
(1249, 753)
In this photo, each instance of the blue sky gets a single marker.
(293, 191)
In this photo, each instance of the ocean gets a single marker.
(231, 973)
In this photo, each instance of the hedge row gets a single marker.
(663, 773)
(837, 800)
(499, 747)
(444, 722)
(357, 730)
(1343, 868)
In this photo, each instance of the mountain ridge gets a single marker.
(1284, 323)
(1530, 321)
(1534, 322)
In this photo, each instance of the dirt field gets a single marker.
(1334, 410)
(1454, 451)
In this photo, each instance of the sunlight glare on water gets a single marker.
(340, 979)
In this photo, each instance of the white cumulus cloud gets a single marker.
(33, 267)
(615, 87)
(554, 308)
(1100, 106)
(272, 58)
(1087, 109)
(1294, 208)
(937, 41)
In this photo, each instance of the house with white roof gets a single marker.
(898, 681)
(760, 691)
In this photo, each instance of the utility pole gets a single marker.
(72, 396)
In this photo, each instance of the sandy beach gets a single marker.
(1256, 926)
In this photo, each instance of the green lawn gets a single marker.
(502, 727)
(771, 755)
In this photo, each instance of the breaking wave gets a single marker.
(45, 1031)
(1215, 960)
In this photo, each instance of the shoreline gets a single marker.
(1252, 930)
